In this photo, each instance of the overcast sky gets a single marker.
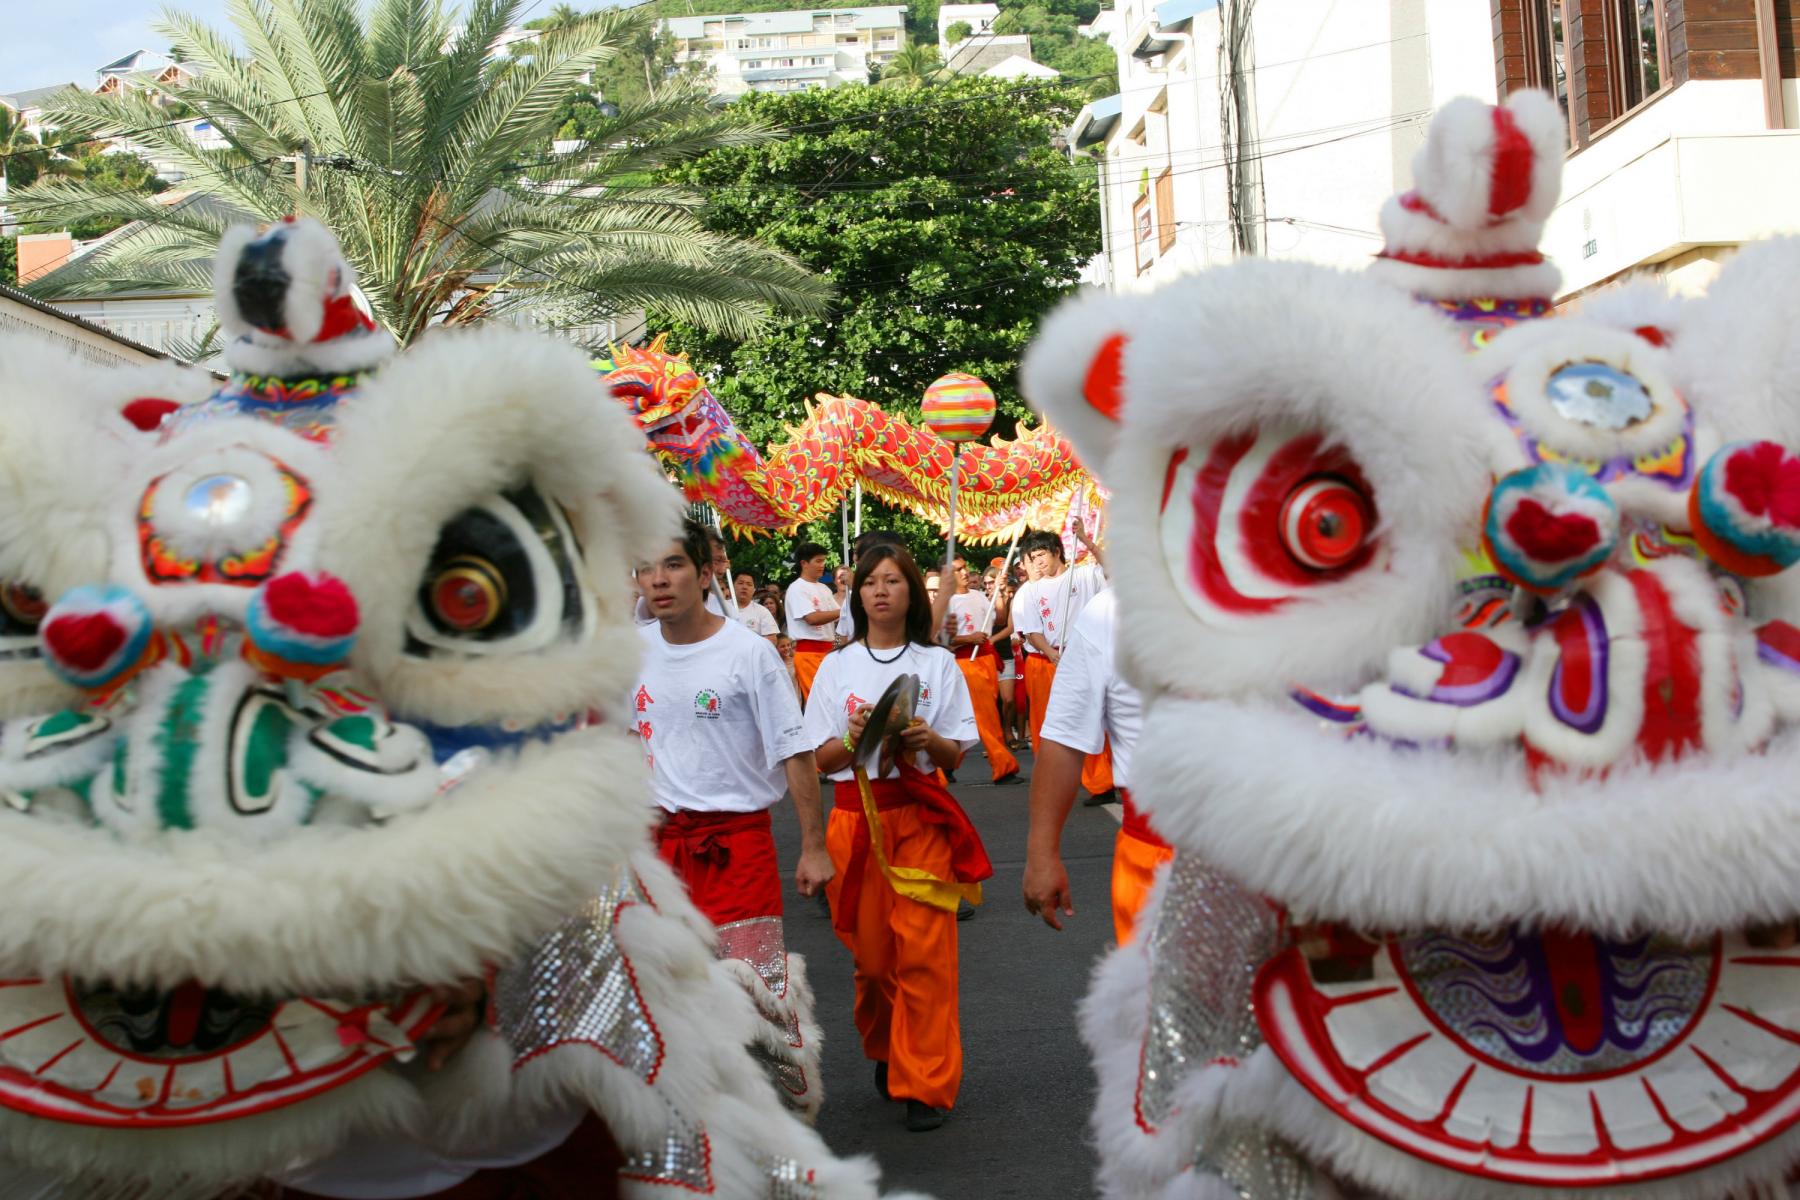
(62, 41)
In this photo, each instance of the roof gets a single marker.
(33, 97)
(773, 73)
(1017, 66)
(9, 292)
(1095, 121)
(131, 62)
(1171, 13)
(786, 21)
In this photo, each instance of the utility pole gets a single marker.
(302, 167)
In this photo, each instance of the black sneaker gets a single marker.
(950, 776)
(965, 911)
(881, 1080)
(922, 1118)
(1109, 796)
(1009, 779)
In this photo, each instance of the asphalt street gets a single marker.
(1020, 1124)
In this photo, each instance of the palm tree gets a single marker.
(433, 169)
(911, 66)
(20, 149)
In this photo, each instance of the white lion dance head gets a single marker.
(1473, 654)
(309, 685)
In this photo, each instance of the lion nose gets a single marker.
(260, 282)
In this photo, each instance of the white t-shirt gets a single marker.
(971, 612)
(850, 678)
(805, 596)
(756, 618)
(846, 622)
(1089, 702)
(1050, 606)
(718, 719)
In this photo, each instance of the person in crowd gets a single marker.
(1022, 575)
(723, 736)
(932, 587)
(754, 616)
(1001, 639)
(721, 591)
(769, 596)
(812, 609)
(1090, 706)
(969, 626)
(1043, 612)
(904, 945)
(784, 646)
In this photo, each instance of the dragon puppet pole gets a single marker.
(844, 529)
(987, 622)
(955, 478)
(858, 521)
(1069, 591)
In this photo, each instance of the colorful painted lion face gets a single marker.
(1481, 668)
(331, 644)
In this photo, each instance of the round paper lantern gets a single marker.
(959, 407)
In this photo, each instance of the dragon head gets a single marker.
(330, 646)
(1482, 668)
(658, 388)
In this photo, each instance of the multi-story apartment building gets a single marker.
(1271, 129)
(1682, 128)
(789, 51)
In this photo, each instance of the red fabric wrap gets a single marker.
(979, 650)
(1137, 824)
(727, 860)
(812, 646)
(968, 857)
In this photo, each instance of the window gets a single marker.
(1600, 58)
(1165, 212)
(1141, 231)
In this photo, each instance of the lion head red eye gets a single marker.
(467, 596)
(1325, 522)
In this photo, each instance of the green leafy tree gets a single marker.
(912, 66)
(24, 157)
(945, 219)
(958, 31)
(425, 161)
(9, 260)
(113, 171)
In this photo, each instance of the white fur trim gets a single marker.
(318, 272)
(259, 354)
(1454, 170)
(1434, 283)
(1355, 831)
(1271, 344)
(1643, 301)
(1527, 355)
(330, 911)
(463, 415)
(1055, 368)
(203, 1160)
(1736, 358)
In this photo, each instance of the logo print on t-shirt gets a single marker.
(643, 699)
(706, 704)
(852, 702)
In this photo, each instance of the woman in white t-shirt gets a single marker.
(904, 947)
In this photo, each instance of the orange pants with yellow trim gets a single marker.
(806, 665)
(1133, 872)
(983, 679)
(905, 953)
(1096, 769)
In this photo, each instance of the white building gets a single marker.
(1682, 132)
(1018, 66)
(978, 17)
(28, 106)
(789, 51)
(1334, 100)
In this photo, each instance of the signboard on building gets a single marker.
(1144, 233)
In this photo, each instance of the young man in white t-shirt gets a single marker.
(754, 616)
(1043, 612)
(1091, 707)
(812, 614)
(969, 626)
(723, 735)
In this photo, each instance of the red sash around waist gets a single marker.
(1137, 824)
(703, 831)
(812, 646)
(968, 857)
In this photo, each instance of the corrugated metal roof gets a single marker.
(9, 292)
(773, 74)
(785, 21)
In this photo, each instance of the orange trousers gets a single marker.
(806, 665)
(1133, 872)
(1096, 769)
(905, 954)
(983, 678)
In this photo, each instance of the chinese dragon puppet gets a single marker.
(1032, 481)
(1471, 651)
(312, 689)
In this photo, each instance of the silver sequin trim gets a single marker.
(576, 986)
(1210, 937)
(683, 1158)
(1255, 1165)
(788, 1180)
(761, 943)
(788, 1076)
